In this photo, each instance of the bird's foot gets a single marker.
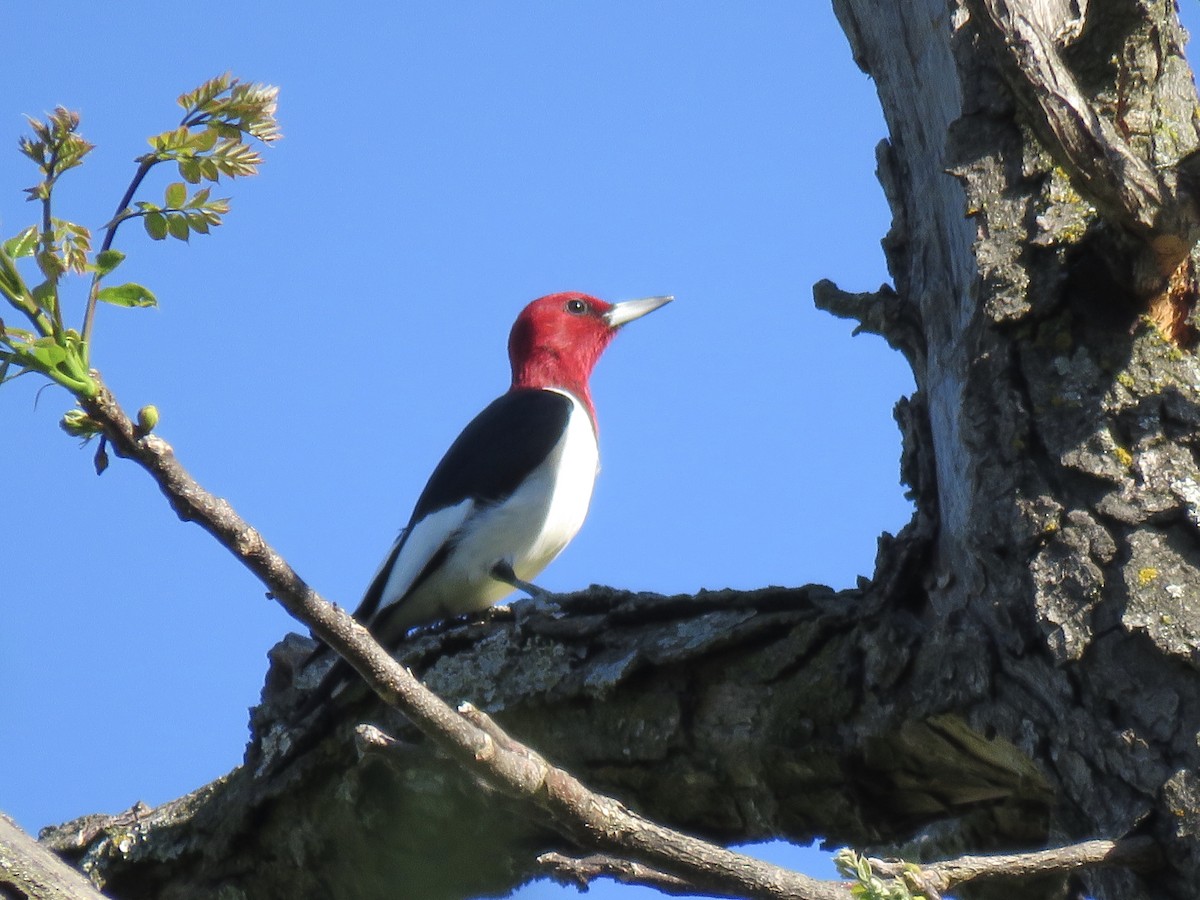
(503, 571)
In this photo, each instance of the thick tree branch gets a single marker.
(470, 737)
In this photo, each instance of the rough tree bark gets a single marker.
(1022, 668)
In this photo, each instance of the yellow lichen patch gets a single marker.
(1072, 233)
(1061, 190)
(1147, 575)
(1124, 457)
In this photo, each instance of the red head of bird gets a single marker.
(558, 339)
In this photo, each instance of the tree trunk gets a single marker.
(1053, 354)
(1022, 668)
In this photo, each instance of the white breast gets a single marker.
(562, 486)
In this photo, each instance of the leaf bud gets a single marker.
(147, 418)
(77, 423)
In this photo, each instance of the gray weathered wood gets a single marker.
(30, 870)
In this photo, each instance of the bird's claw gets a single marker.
(503, 571)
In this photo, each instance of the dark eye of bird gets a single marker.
(576, 307)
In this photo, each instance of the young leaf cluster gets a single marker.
(213, 139)
(869, 886)
(180, 215)
(220, 119)
(55, 147)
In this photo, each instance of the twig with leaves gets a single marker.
(213, 139)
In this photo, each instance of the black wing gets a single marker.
(499, 448)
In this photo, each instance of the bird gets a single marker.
(514, 487)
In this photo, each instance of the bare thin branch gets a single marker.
(27, 869)
(579, 873)
(1139, 854)
(110, 232)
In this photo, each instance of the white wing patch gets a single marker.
(426, 538)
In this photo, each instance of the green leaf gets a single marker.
(129, 295)
(178, 227)
(11, 283)
(189, 170)
(45, 295)
(204, 94)
(236, 159)
(107, 260)
(23, 244)
(203, 141)
(197, 223)
(55, 147)
(156, 225)
(170, 141)
(199, 198)
(47, 351)
(176, 195)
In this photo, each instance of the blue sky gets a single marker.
(442, 165)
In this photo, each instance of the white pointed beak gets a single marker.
(633, 309)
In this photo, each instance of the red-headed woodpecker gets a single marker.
(514, 487)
